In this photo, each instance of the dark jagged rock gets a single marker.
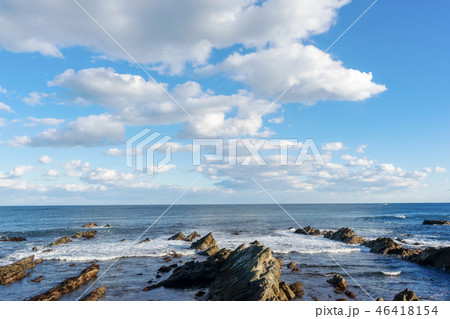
(86, 235)
(291, 265)
(406, 295)
(72, 265)
(250, 273)
(38, 279)
(95, 294)
(255, 243)
(400, 240)
(210, 251)
(200, 293)
(436, 257)
(297, 289)
(380, 299)
(295, 269)
(436, 222)
(61, 241)
(165, 269)
(47, 250)
(338, 282)
(387, 246)
(89, 225)
(192, 236)
(178, 236)
(14, 239)
(345, 235)
(35, 248)
(237, 233)
(107, 226)
(167, 259)
(16, 271)
(204, 243)
(350, 294)
(308, 230)
(146, 240)
(342, 299)
(68, 285)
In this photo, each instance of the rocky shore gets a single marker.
(247, 273)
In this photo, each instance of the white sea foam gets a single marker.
(391, 273)
(400, 216)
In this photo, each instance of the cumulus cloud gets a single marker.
(52, 173)
(335, 146)
(326, 80)
(4, 107)
(34, 98)
(20, 170)
(440, 170)
(93, 130)
(361, 148)
(136, 101)
(156, 25)
(45, 159)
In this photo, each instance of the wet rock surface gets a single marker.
(192, 236)
(387, 246)
(345, 235)
(338, 282)
(95, 294)
(68, 285)
(406, 295)
(436, 257)
(436, 222)
(16, 271)
(308, 230)
(88, 225)
(86, 235)
(61, 241)
(14, 238)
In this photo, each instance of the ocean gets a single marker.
(317, 257)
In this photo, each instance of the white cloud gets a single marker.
(276, 120)
(76, 168)
(2, 90)
(20, 170)
(34, 98)
(336, 146)
(326, 80)
(93, 130)
(4, 107)
(427, 170)
(44, 121)
(156, 26)
(52, 173)
(107, 175)
(45, 159)
(440, 170)
(115, 152)
(2, 122)
(136, 101)
(361, 148)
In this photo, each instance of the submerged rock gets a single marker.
(86, 235)
(61, 241)
(308, 230)
(14, 239)
(436, 222)
(88, 225)
(16, 271)
(192, 236)
(345, 235)
(406, 295)
(338, 282)
(250, 273)
(144, 241)
(95, 294)
(68, 285)
(178, 236)
(38, 279)
(204, 243)
(297, 289)
(291, 265)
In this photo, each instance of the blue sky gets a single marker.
(376, 105)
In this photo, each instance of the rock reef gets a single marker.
(95, 294)
(68, 285)
(16, 271)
